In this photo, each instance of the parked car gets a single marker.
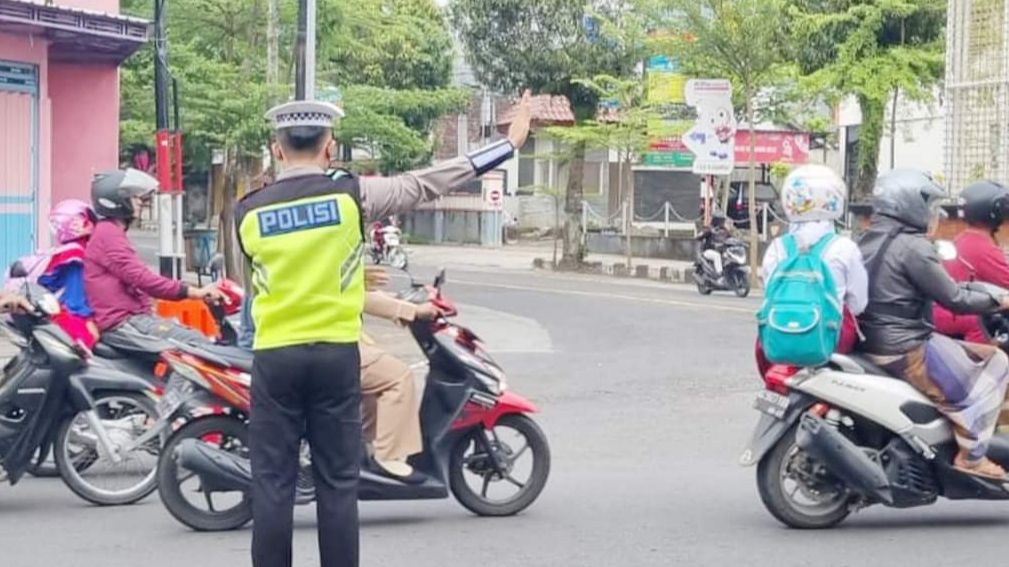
(739, 203)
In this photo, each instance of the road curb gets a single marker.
(640, 271)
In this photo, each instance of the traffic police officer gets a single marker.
(303, 236)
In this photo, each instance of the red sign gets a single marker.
(773, 147)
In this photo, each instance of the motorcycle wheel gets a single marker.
(703, 289)
(398, 259)
(742, 284)
(827, 503)
(230, 434)
(470, 457)
(94, 476)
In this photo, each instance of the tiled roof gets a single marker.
(548, 110)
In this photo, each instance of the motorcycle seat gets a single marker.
(858, 363)
(232, 356)
(103, 350)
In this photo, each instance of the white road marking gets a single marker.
(605, 295)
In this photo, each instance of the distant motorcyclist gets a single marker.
(985, 206)
(712, 240)
(967, 382)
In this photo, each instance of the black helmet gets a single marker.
(907, 195)
(111, 192)
(985, 203)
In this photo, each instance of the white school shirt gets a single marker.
(842, 256)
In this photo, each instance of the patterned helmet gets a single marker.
(71, 220)
(812, 193)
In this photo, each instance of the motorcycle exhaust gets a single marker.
(845, 460)
(219, 471)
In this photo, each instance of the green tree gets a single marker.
(233, 59)
(622, 124)
(739, 40)
(394, 125)
(546, 46)
(869, 49)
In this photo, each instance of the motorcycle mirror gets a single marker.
(18, 270)
(946, 250)
(439, 280)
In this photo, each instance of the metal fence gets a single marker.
(977, 92)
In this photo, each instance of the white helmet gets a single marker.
(813, 193)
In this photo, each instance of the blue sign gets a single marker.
(295, 218)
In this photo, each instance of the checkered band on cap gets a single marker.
(303, 113)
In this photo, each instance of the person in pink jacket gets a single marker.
(119, 286)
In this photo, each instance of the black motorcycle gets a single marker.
(94, 417)
(735, 274)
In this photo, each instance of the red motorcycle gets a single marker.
(479, 442)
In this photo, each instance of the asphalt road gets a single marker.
(645, 394)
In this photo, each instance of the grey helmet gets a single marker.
(907, 195)
(111, 192)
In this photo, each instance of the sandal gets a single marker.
(985, 468)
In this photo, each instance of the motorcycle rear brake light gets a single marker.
(778, 376)
(161, 369)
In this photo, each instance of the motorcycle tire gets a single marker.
(703, 289)
(742, 284)
(477, 504)
(773, 493)
(168, 483)
(76, 483)
(398, 259)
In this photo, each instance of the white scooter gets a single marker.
(391, 251)
(835, 439)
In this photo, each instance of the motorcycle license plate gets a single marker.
(176, 392)
(771, 403)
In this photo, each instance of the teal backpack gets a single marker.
(800, 320)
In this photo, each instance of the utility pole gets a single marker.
(168, 144)
(304, 88)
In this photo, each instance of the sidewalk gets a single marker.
(539, 255)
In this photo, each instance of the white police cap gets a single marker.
(303, 113)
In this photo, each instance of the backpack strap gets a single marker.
(821, 245)
(791, 248)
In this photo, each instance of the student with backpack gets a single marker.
(815, 282)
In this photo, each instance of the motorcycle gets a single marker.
(835, 439)
(475, 432)
(95, 417)
(735, 274)
(386, 246)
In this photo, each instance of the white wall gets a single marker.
(920, 134)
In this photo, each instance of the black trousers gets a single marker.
(313, 390)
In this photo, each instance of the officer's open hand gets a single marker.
(375, 278)
(428, 311)
(519, 129)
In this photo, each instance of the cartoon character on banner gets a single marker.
(712, 139)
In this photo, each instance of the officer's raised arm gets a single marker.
(384, 196)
